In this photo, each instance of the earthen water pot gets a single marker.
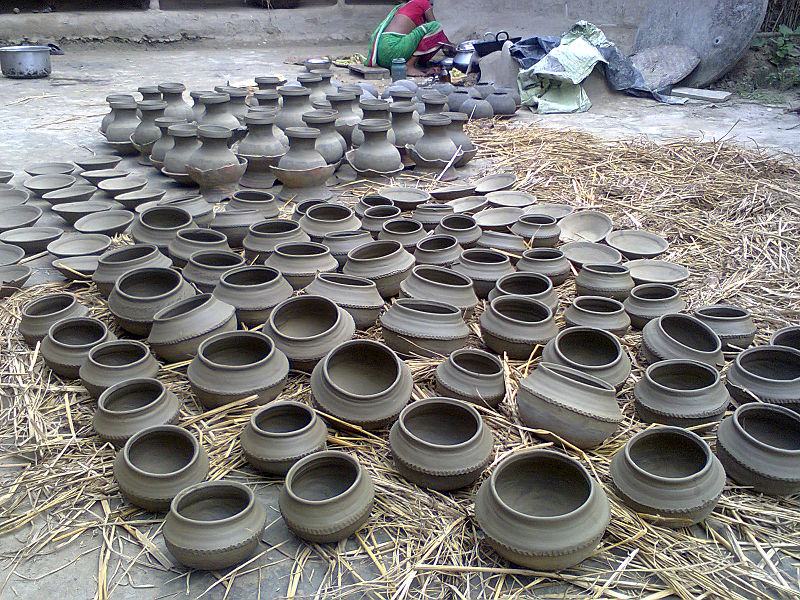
(406, 130)
(592, 351)
(376, 156)
(328, 217)
(149, 92)
(542, 510)
(669, 473)
(435, 146)
(253, 291)
(262, 149)
(375, 216)
(609, 281)
(515, 326)
(111, 115)
(267, 99)
(357, 295)
(484, 267)
(456, 133)
(423, 328)
(301, 208)
(264, 236)
(733, 325)
(439, 249)
(456, 98)
(213, 166)
(462, 227)
(370, 201)
(237, 105)
(214, 525)
(435, 102)
(385, 262)
(217, 111)
(41, 313)
(314, 84)
(148, 476)
(269, 82)
(508, 243)
(340, 243)
(114, 361)
(172, 93)
(119, 131)
(235, 223)
(205, 267)
(540, 231)
(257, 200)
(403, 230)
(430, 282)
(280, 434)
(766, 374)
(530, 285)
(198, 108)
(295, 102)
(546, 261)
(191, 240)
(372, 109)
(185, 143)
(128, 407)
(340, 389)
(431, 214)
(302, 170)
(299, 262)
(159, 225)
(472, 375)
(147, 132)
(69, 341)
(786, 336)
(346, 118)
(476, 109)
(681, 336)
(502, 103)
(165, 141)
(330, 143)
(598, 312)
(652, 300)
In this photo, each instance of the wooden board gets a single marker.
(369, 72)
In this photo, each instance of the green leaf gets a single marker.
(784, 30)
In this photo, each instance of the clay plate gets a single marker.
(585, 226)
(79, 244)
(19, 216)
(9, 198)
(453, 192)
(99, 175)
(10, 255)
(6, 176)
(581, 253)
(31, 239)
(96, 163)
(13, 277)
(497, 218)
(404, 198)
(132, 200)
(42, 184)
(50, 168)
(6, 186)
(72, 211)
(77, 268)
(468, 204)
(495, 183)
(76, 193)
(557, 211)
(635, 243)
(109, 222)
(657, 271)
(121, 185)
(514, 198)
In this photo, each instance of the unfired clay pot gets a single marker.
(652, 300)
(253, 291)
(406, 130)
(185, 143)
(235, 224)
(423, 328)
(431, 214)
(766, 374)
(147, 132)
(515, 325)
(330, 143)
(461, 227)
(340, 243)
(130, 406)
(40, 314)
(164, 143)
(295, 102)
(406, 231)
(206, 267)
(262, 148)
(299, 262)
(592, 351)
(384, 262)
(484, 267)
(438, 250)
(531, 285)
(472, 375)
(375, 216)
(599, 312)
(681, 336)
(262, 237)
(115, 263)
(546, 261)
(69, 341)
(609, 281)
(159, 225)
(115, 361)
(540, 231)
(733, 325)
(172, 93)
(429, 282)
(189, 241)
(217, 111)
(328, 217)
(213, 166)
(357, 295)
(377, 154)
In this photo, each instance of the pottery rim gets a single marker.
(407, 226)
(696, 322)
(487, 257)
(437, 240)
(664, 287)
(598, 301)
(378, 347)
(675, 431)
(223, 337)
(282, 406)
(456, 354)
(201, 235)
(501, 300)
(206, 489)
(161, 429)
(304, 298)
(606, 269)
(179, 309)
(543, 254)
(148, 270)
(662, 364)
(274, 226)
(733, 312)
(271, 275)
(444, 401)
(105, 346)
(139, 251)
(759, 349)
(201, 259)
(785, 413)
(376, 246)
(578, 378)
(111, 391)
(32, 308)
(345, 279)
(419, 306)
(170, 210)
(419, 271)
(89, 322)
(330, 456)
(576, 330)
(543, 279)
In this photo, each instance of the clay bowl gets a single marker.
(498, 219)
(95, 177)
(405, 198)
(96, 163)
(6, 176)
(31, 239)
(585, 226)
(79, 244)
(42, 184)
(122, 185)
(19, 216)
(557, 211)
(50, 168)
(468, 204)
(9, 198)
(788, 337)
(635, 243)
(513, 199)
(657, 271)
(10, 255)
(321, 63)
(590, 253)
(494, 183)
(108, 222)
(128, 407)
(591, 351)
(12, 278)
(371, 201)
(80, 192)
(453, 192)
(132, 200)
(72, 211)
(77, 268)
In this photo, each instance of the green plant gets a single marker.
(783, 46)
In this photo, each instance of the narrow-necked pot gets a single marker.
(609, 281)
(462, 227)
(340, 243)
(430, 282)
(406, 231)
(375, 216)
(766, 374)
(40, 314)
(385, 262)
(253, 291)
(357, 295)
(431, 214)
(299, 262)
(599, 312)
(159, 225)
(262, 237)
(424, 328)
(592, 351)
(128, 407)
(541, 231)
(189, 241)
(652, 300)
(516, 325)
(69, 341)
(114, 361)
(546, 261)
(530, 285)
(472, 375)
(733, 325)
(681, 336)
(115, 263)
(440, 250)
(235, 224)
(484, 267)
(205, 267)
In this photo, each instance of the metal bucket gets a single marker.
(27, 62)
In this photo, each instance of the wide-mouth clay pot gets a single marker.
(484, 267)
(69, 341)
(424, 328)
(516, 326)
(472, 375)
(462, 227)
(139, 294)
(599, 312)
(148, 476)
(201, 211)
(652, 300)
(40, 314)
(341, 390)
(759, 446)
(189, 241)
(787, 336)
(385, 262)
(128, 407)
(253, 291)
(542, 510)
(299, 262)
(406, 231)
(679, 392)
(430, 282)
(357, 295)
(590, 253)
(280, 434)
(530, 285)
(733, 325)
(436, 457)
(609, 281)
(508, 243)
(79, 244)
(766, 374)
(375, 216)
(12, 278)
(681, 336)
(585, 226)
(115, 263)
(328, 217)
(306, 328)
(327, 497)
(235, 224)
(540, 231)
(206, 267)
(263, 202)
(592, 351)
(159, 225)
(301, 208)
(430, 214)
(262, 237)
(669, 473)
(214, 525)
(233, 365)
(112, 362)
(439, 249)
(545, 261)
(340, 243)
(635, 244)
(371, 201)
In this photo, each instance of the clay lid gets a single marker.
(302, 132)
(195, 94)
(435, 120)
(293, 90)
(216, 132)
(214, 98)
(401, 107)
(233, 92)
(183, 130)
(309, 78)
(375, 125)
(341, 96)
(319, 116)
(171, 87)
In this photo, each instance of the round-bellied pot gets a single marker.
(609, 281)
(165, 142)
(328, 217)
(680, 392)
(262, 237)
(233, 365)
(306, 328)
(206, 267)
(340, 388)
(384, 262)
(139, 294)
(530, 285)
(431, 214)
(733, 325)
(472, 375)
(115, 263)
(429, 282)
(189, 241)
(295, 102)
(542, 510)
(330, 143)
(370, 201)
(576, 407)
(40, 314)
(652, 300)
(235, 224)
(681, 336)
(263, 202)
(69, 341)
(159, 225)
(766, 374)
(406, 231)
(148, 476)
(377, 155)
(357, 295)
(669, 473)
(128, 407)
(541, 231)
(484, 267)
(185, 142)
(546, 261)
(253, 291)
(115, 361)
(598, 312)
(423, 328)
(787, 336)
(280, 434)
(327, 497)
(180, 328)
(592, 351)
(516, 325)
(217, 111)
(341, 242)
(405, 129)
(202, 212)
(237, 106)
(759, 446)
(441, 250)
(299, 262)
(375, 216)
(462, 227)
(214, 525)
(436, 457)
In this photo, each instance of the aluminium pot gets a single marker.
(27, 62)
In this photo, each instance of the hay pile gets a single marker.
(732, 217)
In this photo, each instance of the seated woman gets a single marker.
(410, 32)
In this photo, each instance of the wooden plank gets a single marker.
(698, 94)
(369, 72)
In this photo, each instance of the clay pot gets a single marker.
(147, 132)
(40, 314)
(327, 497)
(406, 130)
(680, 491)
(733, 325)
(472, 375)
(652, 300)
(111, 115)
(681, 336)
(766, 374)
(502, 103)
(69, 341)
(159, 225)
(515, 325)
(346, 118)
(262, 202)
(405, 231)
(542, 510)
(435, 102)
(462, 227)
(262, 237)
(262, 149)
(114, 361)
(455, 132)
(340, 389)
(189, 241)
(598, 312)
(441, 458)
(213, 152)
(423, 328)
(172, 93)
(430, 214)
(374, 218)
(384, 262)
(206, 267)
(295, 102)
(149, 477)
(326, 218)
(301, 208)
(759, 446)
(253, 291)
(484, 267)
(435, 143)
(787, 336)
(302, 154)
(185, 143)
(280, 434)
(198, 108)
(430, 282)
(545, 261)
(237, 104)
(340, 243)
(165, 141)
(330, 143)
(592, 351)
(357, 295)
(266, 99)
(139, 294)
(370, 201)
(121, 128)
(235, 224)
(684, 393)
(508, 243)
(530, 285)
(541, 231)
(439, 250)
(377, 154)
(269, 82)
(372, 109)
(457, 98)
(217, 111)
(299, 262)
(476, 109)
(128, 407)
(609, 281)
(314, 84)
(306, 328)
(214, 525)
